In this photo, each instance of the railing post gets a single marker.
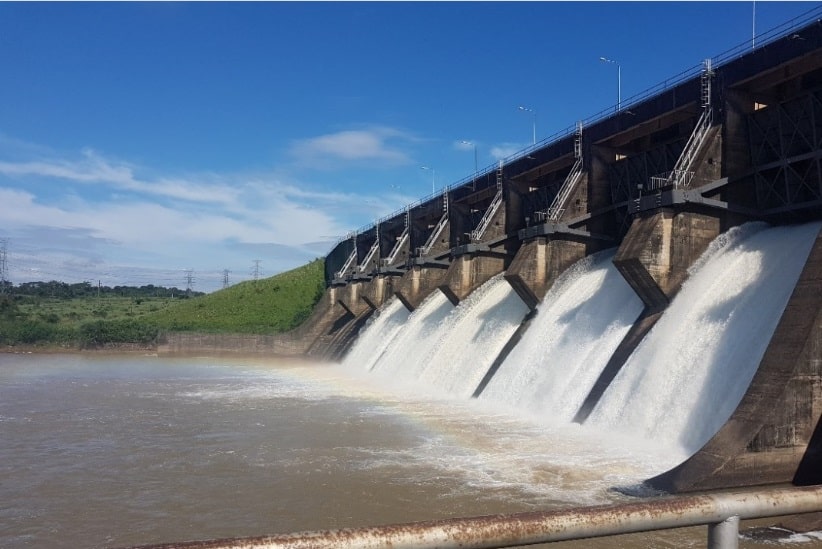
(725, 534)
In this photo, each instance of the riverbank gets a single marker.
(46, 349)
(186, 345)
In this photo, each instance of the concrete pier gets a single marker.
(470, 271)
(538, 264)
(418, 283)
(659, 248)
(350, 297)
(378, 290)
(488, 231)
(774, 434)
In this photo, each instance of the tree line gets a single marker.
(63, 290)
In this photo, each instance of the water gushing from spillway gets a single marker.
(415, 339)
(688, 375)
(677, 389)
(377, 334)
(473, 336)
(451, 348)
(579, 324)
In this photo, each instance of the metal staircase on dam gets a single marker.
(348, 262)
(477, 233)
(557, 208)
(374, 251)
(425, 249)
(682, 174)
(401, 240)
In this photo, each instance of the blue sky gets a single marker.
(139, 140)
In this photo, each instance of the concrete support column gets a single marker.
(468, 272)
(377, 291)
(659, 248)
(537, 265)
(349, 297)
(417, 284)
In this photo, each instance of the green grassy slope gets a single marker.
(269, 305)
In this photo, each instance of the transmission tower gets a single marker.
(189, 280)
(225, 278)
(255, 270)
(3, 265)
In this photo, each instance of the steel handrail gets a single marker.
(557, 206)
(720, 511)
(728, 56)
(423, 250)
(397, 247)
(477, 233)
(370, 255)
(347, 265)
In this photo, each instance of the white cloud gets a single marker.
(92, 168)
(504, 150)
(109, 220)
(375, 144)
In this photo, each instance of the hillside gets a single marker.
(270, 305)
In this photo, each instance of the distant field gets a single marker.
(72, 311)
(270, 305)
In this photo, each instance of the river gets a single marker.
(121, 450)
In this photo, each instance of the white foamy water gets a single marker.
(686, 378)
(401, 360)
(378, 334)
(579, 324)
(444, 348)
(471, 338)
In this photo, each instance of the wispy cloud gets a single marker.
(93, 168)
(87, 213)
(504, 150)
(374, 144)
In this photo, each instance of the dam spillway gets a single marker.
(577, 328)
(657, 186)
(676, 390)
(688, 375)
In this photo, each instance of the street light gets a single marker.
(619, 80)
(475, 153)
(532, 111)
(432, 177)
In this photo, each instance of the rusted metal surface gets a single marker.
(540, 527)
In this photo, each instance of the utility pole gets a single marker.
(255, 271)
(225, 278)
(189, 280)
(3, 265)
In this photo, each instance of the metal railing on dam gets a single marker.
(720, 512)
(718, 61)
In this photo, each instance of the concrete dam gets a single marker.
(657, 268)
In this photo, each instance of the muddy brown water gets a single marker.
(116, 451)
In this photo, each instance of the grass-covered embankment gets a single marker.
(271, 305)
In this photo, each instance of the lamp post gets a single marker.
(619, 80)
(534, 125)
(475, 153)
(432, 177)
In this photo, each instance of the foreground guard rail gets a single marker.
(720, 511)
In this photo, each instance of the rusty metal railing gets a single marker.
(720, 511)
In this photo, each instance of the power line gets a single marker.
(189, 278)
(3, 265)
